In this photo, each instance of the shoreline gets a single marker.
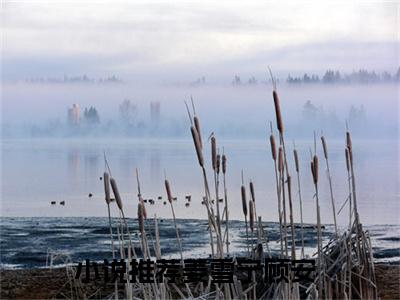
(45, 283)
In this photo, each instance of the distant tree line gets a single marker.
(75, 79)
(330, 77)
(314, 116)
(360, 76)
(91, 116)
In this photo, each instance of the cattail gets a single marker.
(197, 145)
(106, 179)
(168, 189)
(273, 146)
(347, 159)
(289, 184)
(244, 204)
(140, 217)
(324, 146)
(253, 197)
(251, 215)
(348, 141)
(280, 160)
(350, 156)
(116, 193)
(197, 126)
(223, 163)
(218, 162)
(315, 165)
(296, 160)
(144, 207)
(312, 170)
(279, 121)
(214, 153)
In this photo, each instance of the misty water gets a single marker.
(38, 171)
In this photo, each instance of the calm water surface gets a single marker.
(38, 171)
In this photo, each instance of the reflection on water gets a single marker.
(36, 172)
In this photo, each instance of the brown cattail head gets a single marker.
(223, 163)
(140, 217)
(296, 160)
(289, 184)
(197, 145)
(116, 193)
(251, 215)
(280, 160)
(348, 141)
(325, 147)
(197, 126)
(315, 165)
(168, 189)
(244, 204)
(144, 207)
(279, 121)
(273, 146)
(347, 159)
(214, 153)
(218, 163)
(106, 179)
(312, 170)
(253, 196)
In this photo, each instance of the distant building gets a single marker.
(128, 113)
(154, 112)
(74, 115)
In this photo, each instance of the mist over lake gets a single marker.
(40, 110)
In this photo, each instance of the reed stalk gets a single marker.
(214, 159)
(325, 148)
(169, 195)
(118, 200)
(157, 236)
(253, 198)
(282, 185)
(297, 166)
(141, 228)
(106, 180)
(278, 190)
(244, 208)
(289, 184)
(314, 171)
(354, 198)
(251, 221)
(349, 263)
(224, 162)
(199, 153)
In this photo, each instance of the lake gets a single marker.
(38, 171)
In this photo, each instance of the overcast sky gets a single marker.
(178, 40)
